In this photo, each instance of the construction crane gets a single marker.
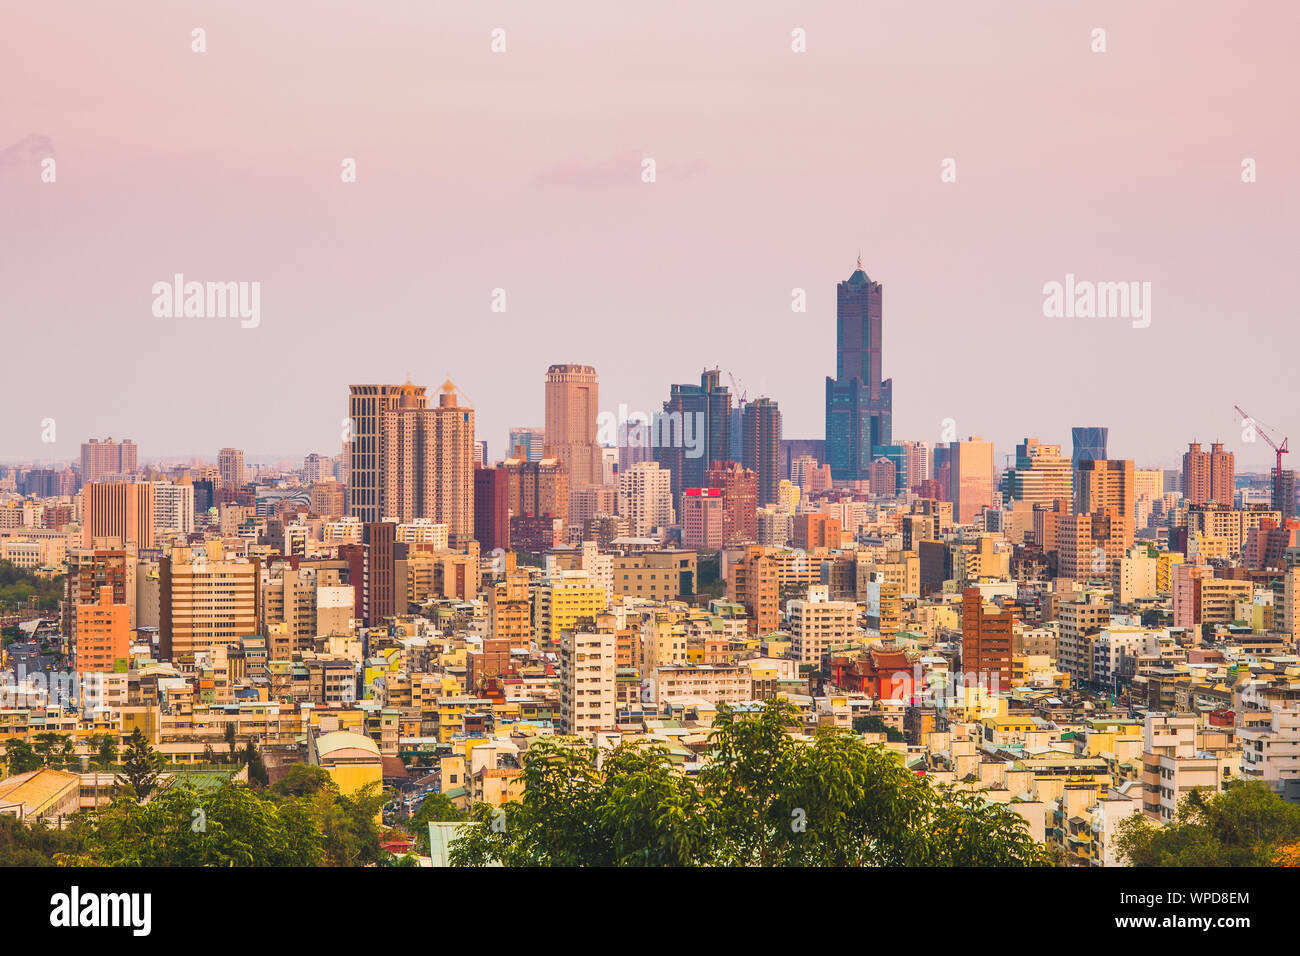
(741, 393)
(1280, 450)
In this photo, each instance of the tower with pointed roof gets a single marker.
(859, 400)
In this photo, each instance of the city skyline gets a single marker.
(564, 224)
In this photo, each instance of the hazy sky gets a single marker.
(522, 171)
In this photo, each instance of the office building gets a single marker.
(859, 401)
(572, 407)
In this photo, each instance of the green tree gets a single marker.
(766, 798)
(55, 750)
(435, 808)
(228, 826)
(27, 844)
(350, 825)
(21, 758)
(252, 759)
(1244, 825)
(103, 751)
(228, 735)
(141, 765)
(304, 780)
(875, 724)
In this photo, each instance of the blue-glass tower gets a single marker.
(859, 404)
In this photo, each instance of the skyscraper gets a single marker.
(1208, 475)
(531, 438)
(645, 498)
(1041, 475)
(859, 404)
(428, 462)
(492, 508)
(380, 583)
(118, 513)
(205, 604)
(572, 403)
(453, 466)
(230, 463)
(107, 459)
(366, 404)
(762, 447)
(695, 431)
(970, 478)
(1089, 444)
(739, 501)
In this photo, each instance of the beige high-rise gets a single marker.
(230, 463)
(428, 462)
(117, 514)
(205, 604)
(971, 462)
(572, 404)
(366, 405)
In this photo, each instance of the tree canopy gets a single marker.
(764, 799)
(1246, 824)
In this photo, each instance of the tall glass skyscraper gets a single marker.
(859, 404)
(1089, 444)
(703, 412)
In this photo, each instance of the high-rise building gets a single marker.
(633, 443)
(108, 459)
(205, 604)
(88, 571)
(1104, 483)
(817, 624)
(1041, 475)
(918, 462)
(427, 467)
(810, 476)
(537, 488)
(492, 508)
(365, 449)
(230, 463)
(531, 438)
(1089, 444)
(453, 467)
(859, 403)
(316, 468)
(379, 590)
(739, 501)
(702, 519)
(986, 642)
(572, 405)
(118, 514)
(173, 508)
(645, 498)
(1283, 491)
(754, 581)
(883, 477)
(971, 478)
(103, 635)
(762, 446)
(1208, 475)
(588, 678)
(694, 430)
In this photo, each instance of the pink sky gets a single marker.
(522, 171)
